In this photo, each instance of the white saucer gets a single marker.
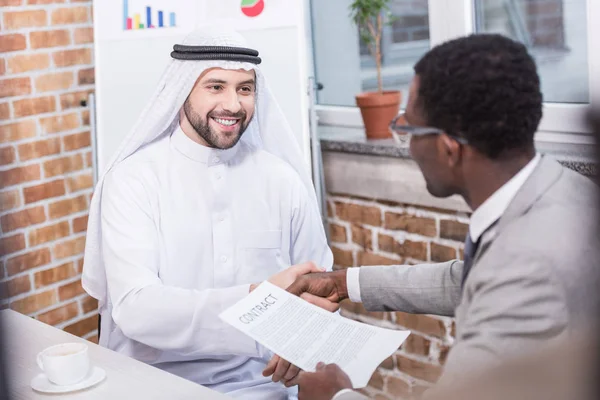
(41, 384)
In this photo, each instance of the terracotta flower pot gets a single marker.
(377, 111)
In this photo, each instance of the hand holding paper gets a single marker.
(305, 334)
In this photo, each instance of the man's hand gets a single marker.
(286, 277)
(322, 384)
(281, 370)
(327, 285)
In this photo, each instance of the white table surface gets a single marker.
(126, 378)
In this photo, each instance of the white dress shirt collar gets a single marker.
(197, 152)
(493, 208)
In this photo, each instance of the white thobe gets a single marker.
(185, 230)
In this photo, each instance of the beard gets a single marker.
(214, 139)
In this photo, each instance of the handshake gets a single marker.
(325, 290)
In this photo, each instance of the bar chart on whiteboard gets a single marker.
(148, 16)
(130, 19)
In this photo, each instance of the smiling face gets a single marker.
(221, 106)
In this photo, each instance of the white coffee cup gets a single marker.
(65, 364)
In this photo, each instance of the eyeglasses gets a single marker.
(402, 132)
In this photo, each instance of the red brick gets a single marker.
(77, 141)
(15, 87)
(89, 304)
(38, 149)
(70, 290)
(27, 261)
(69, 248)
(60, 314)
(19, 175)
(24, 19)
(367, 258)
(544, 8)
(408, 248)
(411, 224)
(61, 123)
(359, 309)
(397, 387)
(444, 350)
(412, 249)
(93, 339)
(28, 62)
(2, 66)
(440, 253)
(80, 224)
(54, 81)
(85, 118)
(342, 257)
(71, 15)
(37, 105)
(421, 323)
(83, 327)
(4, 112)
(49, 233)
(11, 244)
(67, 58)
(63, 165)
(84, 35)
(17, 131)
(453, 230)
(9, 200)
(7, 155)
(53, 275)
(416, 344)
(65, 207)
(74, 99)
(330, 212)
(86, 76)
(359, 214)
(35, 302)
(44, 1)
(44, 191)
(417, 369)
(80, 266)
(376, 381)
(88, 159)
(8, 3)
(12, 42)
(337, 233)
(80, 182)
(16, 286)
(45, 39)
(362, 236)
(388, 363)
(22, 219)
(386, 243)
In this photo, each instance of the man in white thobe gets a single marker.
(206, 198)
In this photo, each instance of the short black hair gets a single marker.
(484, 88)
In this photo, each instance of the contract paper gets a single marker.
(305, 334)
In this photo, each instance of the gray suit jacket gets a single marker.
(533, 278)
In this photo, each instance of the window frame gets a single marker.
(561, 123)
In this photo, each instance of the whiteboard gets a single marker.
(129, 62)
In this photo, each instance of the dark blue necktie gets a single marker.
(470, 250)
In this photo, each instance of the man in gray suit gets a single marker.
(474, 107)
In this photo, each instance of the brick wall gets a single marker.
(543, 20)
(368, 232)
(46, 70)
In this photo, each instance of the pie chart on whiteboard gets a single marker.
(253, 8)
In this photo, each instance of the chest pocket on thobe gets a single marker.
(261, 256)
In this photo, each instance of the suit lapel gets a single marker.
(542, 178)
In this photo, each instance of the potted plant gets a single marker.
(380, 107)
